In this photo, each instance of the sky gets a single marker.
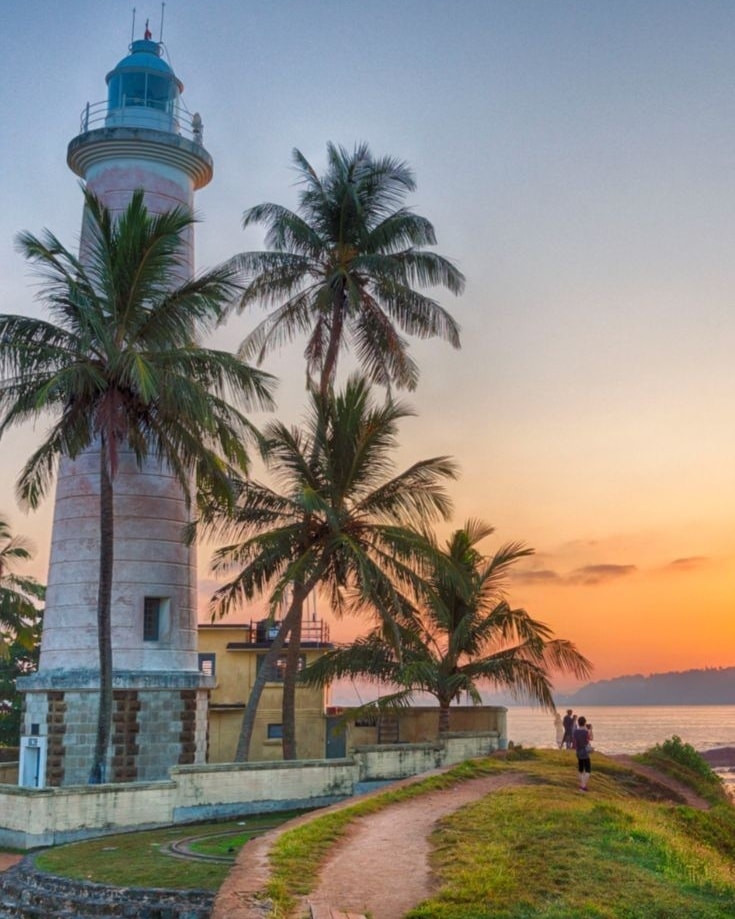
(576, 161)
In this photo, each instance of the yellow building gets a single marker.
(233, 654)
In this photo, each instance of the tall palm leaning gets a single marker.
(19, 594)
(464, 633)
(344, 268)
(341, 522)
(117, 366)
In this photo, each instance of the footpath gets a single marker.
(360, 877)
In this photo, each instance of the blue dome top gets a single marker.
(145, 55)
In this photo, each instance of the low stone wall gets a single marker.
(33, 817)
(381, 762)
(225, 789)
(26, 892)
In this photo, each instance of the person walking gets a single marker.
(569, 723)
(583, 746)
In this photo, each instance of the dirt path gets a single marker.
(391, 843)
(7, 860)
(360, 876)
(682, 791)
(381, 866)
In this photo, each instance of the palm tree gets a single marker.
(117, 366)
(343, 269)
(19, 594)
(464, 633)
(19, 659)
(339, 522)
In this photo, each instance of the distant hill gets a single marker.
(713, 686)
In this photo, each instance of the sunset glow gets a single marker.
(576, 161)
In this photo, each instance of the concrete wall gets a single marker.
(420, 723)
(158, 719)
(381, 762)
(32, 817)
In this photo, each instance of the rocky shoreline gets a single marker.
(720, 757)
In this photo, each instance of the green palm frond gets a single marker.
(343, 267)
(20, 595)
(119, 359)
(459, 632)
(340, 514)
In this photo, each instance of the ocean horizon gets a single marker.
(630, 728)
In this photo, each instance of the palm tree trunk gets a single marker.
(443, 717)
(329, 367)
(251, 709)
(104, 621)
(290, 679)
(293, 616)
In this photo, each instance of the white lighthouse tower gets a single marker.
(139, 138)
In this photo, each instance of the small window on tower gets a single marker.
(152, 607)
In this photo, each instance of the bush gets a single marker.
(685, 755)
(682, 762)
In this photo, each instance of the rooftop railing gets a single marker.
(313, 631)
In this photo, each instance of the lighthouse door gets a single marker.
(32, 762)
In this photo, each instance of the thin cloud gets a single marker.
(587, 576)
(591, 575)
(691, 563)
(539, 576)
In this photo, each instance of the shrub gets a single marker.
(685, 755)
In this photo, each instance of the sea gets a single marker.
(634, 728)
(631, 728)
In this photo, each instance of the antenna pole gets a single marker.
(132, 31)
(163, 7)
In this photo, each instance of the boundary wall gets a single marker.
(34, 817)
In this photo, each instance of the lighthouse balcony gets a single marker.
(141, 112)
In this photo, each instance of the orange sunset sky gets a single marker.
(576, 161)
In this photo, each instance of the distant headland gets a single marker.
(712, 686)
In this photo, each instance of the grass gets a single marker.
(539, 850)
(141, 859)
(543, 851)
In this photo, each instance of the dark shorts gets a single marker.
(584, 765)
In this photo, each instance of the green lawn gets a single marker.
(142, 859)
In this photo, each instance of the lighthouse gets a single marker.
(139, 137)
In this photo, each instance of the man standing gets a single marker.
(569, 722)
